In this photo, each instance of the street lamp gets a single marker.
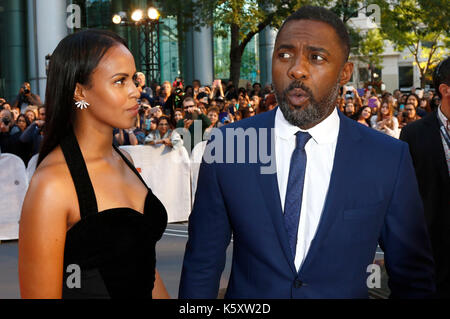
(148, 27)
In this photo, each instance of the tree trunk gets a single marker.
(235, 55)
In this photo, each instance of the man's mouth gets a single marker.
(297, 97)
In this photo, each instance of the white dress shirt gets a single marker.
(320, 151)
(445, 121)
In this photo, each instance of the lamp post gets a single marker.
(148, 29)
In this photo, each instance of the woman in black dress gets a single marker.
(89, 223)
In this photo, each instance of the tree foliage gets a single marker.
(419, 26)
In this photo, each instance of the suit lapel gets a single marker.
(269, 189)
(345, 153)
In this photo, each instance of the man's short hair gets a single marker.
(188, 99)
(323, 15)
(441, 75)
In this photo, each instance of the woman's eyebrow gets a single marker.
(121, 74)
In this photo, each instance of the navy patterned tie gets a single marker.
(294, 191)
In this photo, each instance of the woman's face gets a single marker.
(423, 103)
(153, 124)
(214, 117)
(163, 127)
(349, 108)
(412, 99)
(385, 109)
(178, 116)
(411, 110)
(112, 94)
(30, 116)
(21, 123)
(16, 113)
(366, 113)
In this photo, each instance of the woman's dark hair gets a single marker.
(72, 62)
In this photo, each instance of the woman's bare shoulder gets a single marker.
(51, 187)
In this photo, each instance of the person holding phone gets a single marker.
(192, 114)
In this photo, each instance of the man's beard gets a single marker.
(313, 112)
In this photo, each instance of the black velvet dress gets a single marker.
(114, 249)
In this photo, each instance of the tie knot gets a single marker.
(301, 139)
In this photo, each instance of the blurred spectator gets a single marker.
(386, 122)
(424, 105)
(363, 115)
(30, 114)
(164, 135)
(156, 111)
(213, 115)
(414, 100)
(9, 134)
(26, 97)
(349, 109)
(408, 115)
(141, 85)
(191, 114)
(22, 122)
(34, 133)
(269, 103)
(178, 115)
(16, 112)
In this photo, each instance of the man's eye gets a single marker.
(284, 55)
(317, 57)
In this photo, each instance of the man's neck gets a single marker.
(445, 109)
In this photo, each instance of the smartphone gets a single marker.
(372, 102)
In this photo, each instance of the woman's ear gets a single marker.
(80, 93)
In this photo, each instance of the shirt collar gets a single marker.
(325, 132)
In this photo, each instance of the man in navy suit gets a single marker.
(306, 224)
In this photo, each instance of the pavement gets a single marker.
(169, 252)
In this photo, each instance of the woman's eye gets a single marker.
(120, 81)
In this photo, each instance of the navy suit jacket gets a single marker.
(372, 198)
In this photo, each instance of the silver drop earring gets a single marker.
(82, 104)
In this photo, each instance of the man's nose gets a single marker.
(299, 69)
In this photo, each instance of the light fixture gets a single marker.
(119, 17)
(152, 13)
(116, 19)
(137, 15)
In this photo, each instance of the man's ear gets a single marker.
(346, 73)
(444, 89)
(80, 92)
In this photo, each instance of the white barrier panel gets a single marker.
(32, 166)
(13, 187)
(167, 172)
(196, 160)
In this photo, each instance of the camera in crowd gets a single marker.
(6, 120)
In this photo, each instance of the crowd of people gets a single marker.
(163, 108)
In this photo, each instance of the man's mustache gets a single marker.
(298, 85)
